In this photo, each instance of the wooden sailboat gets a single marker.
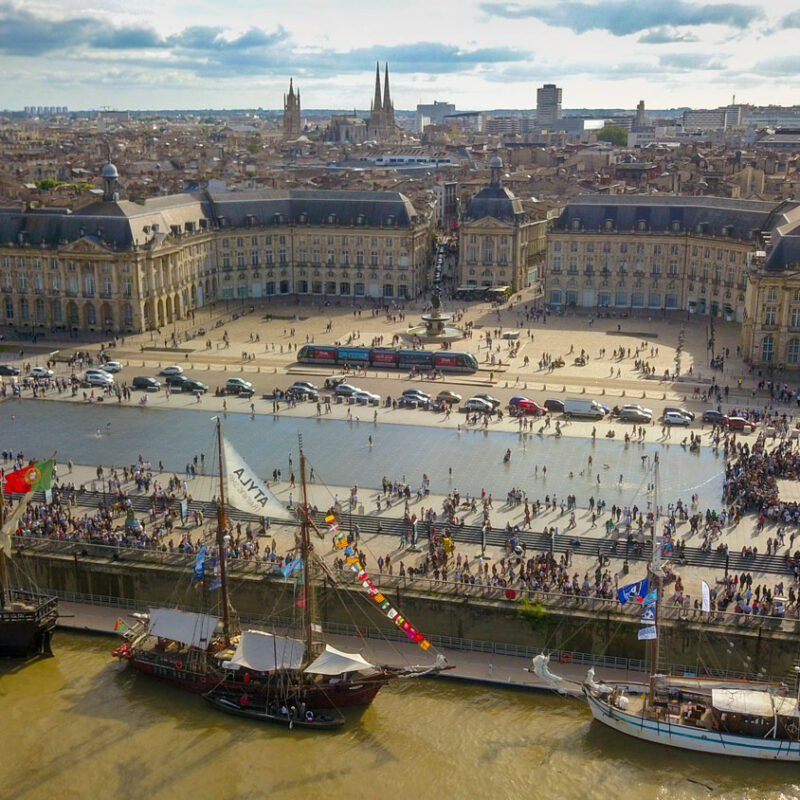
(248, 672)
(738, 718)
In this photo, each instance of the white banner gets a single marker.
(706, 596)
(246, 491)
(648, 633)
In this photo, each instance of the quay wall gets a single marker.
(569, 624)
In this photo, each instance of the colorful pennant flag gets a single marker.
(36, 476)
(120, 626)
(633, 591)
(650, 597)
(392, 613)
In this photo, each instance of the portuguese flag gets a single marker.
(34, 476)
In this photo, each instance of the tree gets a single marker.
(615, 134)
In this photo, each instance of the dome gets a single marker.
(496, 163)
(109, 171)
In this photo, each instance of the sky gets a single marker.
(478, 54)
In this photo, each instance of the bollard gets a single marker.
(623, 393)
(258, 369)
(525, 386)
(563, 388)
(663, 395)
(644, 394)
(506, 385)
(241, 369)
(603, 391)
(225, 368)
(583, 390)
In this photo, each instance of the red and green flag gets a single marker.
(36, 476)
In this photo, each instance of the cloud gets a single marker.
(779, 65)
(790, 20)
(127, 39)
(623, 17)
(666, 35)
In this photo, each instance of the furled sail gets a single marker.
(246, 491)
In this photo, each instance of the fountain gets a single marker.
(435, 328)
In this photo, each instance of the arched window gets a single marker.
(793, 351)
(767, 348)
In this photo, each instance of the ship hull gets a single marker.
(687, 737)
(27, 625)
(343, 694)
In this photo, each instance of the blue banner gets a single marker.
(633, 591)
(200, 565)
(648, 615)
(648, 633)
(290, 566)
(650, 597)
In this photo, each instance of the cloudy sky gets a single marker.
(475, 53)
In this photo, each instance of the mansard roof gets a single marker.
(494, 201)
(121, 225)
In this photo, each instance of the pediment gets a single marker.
(85, 245)
(487, 223)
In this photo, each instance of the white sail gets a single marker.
(334, 662)
(265, 653)
(246, 491)
(182, 626)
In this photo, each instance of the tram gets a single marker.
(388, 358)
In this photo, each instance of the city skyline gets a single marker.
(480, 54)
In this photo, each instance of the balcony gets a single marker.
(105, 295)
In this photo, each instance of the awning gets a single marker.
(265, 652)
(335, 662)
(753, 703)
(182, 626)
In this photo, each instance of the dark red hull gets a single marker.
(343, 694)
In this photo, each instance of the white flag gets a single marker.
(648, 633)
(246, 491)
(706, 602)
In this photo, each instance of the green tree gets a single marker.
(615, 134)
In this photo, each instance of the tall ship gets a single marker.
(243, 670)
(738, 718)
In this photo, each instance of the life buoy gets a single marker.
(791, 729)
(566, 658)
(179, 665)
(510, 594)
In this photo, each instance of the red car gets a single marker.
(524, 405)
(740, 424)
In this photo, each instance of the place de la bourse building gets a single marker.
(737, 260)
(127, 267)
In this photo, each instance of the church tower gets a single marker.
(291, 113)
(381, 116)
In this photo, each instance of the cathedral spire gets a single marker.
(376, 103)
(387, 102)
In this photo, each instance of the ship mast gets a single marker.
(305, 554)
(655, 572)
(221, 523)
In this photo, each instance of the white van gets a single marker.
(590, 409)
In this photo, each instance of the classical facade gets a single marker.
(291, 113)
(737, 260)
(498, 244)
(124, 267)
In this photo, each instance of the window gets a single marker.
(24, 310)
(792, 351)
(772, 294)
(795, 318)
(767, 348)
(344, 288)
(373, 259)
(556, 247)
(671, 301)
(388, 290)
(9, 304)
(770, 314)
(621, 299)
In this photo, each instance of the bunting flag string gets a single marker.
(340, 541)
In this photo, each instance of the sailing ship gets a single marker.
(27, 617)
(250, 671)
(740, 718)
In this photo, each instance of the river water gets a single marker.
(82, 725)
(341, 454)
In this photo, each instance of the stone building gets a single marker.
(737, 260)
(380, 125)
(126, 267)
(291, 113)
(499, 245)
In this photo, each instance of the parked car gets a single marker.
(740, 424)
(632, 414)
(333, 382)
(713, 416)
(448, 396)
(680, 410)
(146, 383)
(304, 386)
(417, 394)
(112, 366)
(176, 381)
(675, 418)
(96, 377)
(41, 372)
(527, 406)
(345, 389)
(554, 405)
(175, 369)
(637, 407)
(192, 385)
(362, 395)
(495, 403)
(239, 386)
(578, 407)
(478, 404)
(8, 369)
